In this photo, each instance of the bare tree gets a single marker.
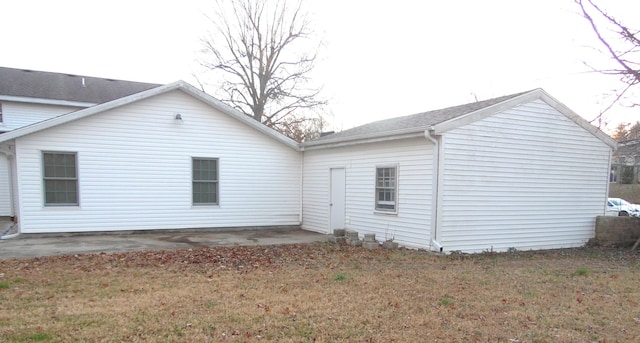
(621, 43)
(265, 50)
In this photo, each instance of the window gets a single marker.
(205, 181)
(386, 189)
(60, 178)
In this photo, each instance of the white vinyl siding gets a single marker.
(525, 178)
(205, 181)
(17, 114)
(135, 170)
(410, 226)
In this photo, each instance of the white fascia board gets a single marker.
(384, 138)
(178, 85)
(45, 101)
(535, 94)
(560, 107)
(366, 138)
(485, 112)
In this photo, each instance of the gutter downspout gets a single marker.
(435, 223)
(9, 152)
(301, 184)
(606, 195)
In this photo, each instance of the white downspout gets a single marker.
(301, 193)
(435, 223)
(9, 152)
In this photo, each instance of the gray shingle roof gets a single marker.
(419, 122)
(66, 87)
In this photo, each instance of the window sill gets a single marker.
(205, 205)
(385, 213)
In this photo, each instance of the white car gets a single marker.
(621, 207)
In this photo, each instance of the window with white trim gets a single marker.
(60, 177)
(205, 181)
(386, 188)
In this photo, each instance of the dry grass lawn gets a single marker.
(322, 293)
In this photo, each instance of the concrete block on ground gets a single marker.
(335, 239)
(351, 234)
(338, 232)
(370, 245)
(369, 237)
(354, 242)
(390, 244)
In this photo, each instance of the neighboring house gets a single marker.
(28, 96)
(520, 171)
(625, 164)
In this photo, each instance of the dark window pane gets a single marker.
(386, 188)
(205, 181)
(60, 184)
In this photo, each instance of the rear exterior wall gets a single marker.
(525, 178)
(134, 166)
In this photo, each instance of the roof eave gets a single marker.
(363, 139)
(43, 101)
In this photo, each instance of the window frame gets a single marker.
(216, 182)
(46, 178)
(394, 189)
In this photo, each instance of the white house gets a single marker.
(520, 171)
(170, 157)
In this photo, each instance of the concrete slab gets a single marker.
(34, 245)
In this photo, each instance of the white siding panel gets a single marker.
(527, 178)
(17, 114)
(134, 167)
(410, 226)
(5, 189)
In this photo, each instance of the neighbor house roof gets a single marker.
(26, 85)
(439, 121)
(179, 85)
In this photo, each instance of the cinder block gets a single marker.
(351, 234)
(354, 242)
(370, 245)
(338, 232)
(390, 244)
(369, 237)
(335, 239)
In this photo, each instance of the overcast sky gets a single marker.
(382, 58)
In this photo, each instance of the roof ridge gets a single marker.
(74, 75)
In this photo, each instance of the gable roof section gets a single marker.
(57, 88)
(179, 85)
(442, 120)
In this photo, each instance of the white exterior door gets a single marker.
(337, 201)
